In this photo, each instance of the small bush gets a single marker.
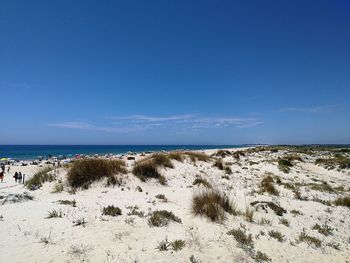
(86, 171)
(201, 181)
(139, 189)
(324, 229)
(178, 244)
(161, 218)
(261, 257)
(147, 169)
(67, 202)
(284, 165)
(40, 177)
(212, 204)
(276, 235)
(79, 222)
(134, 211)
(162, 197)
(161, 159)
(264, 221)
(267, 186)
(219, 164)
(296, 212)
(303, 237)
(54, 213)
(228, 170)
(196, 156)
(111, 211)
(342, 201)
(249, 214)
(243, 239)
(284, 221)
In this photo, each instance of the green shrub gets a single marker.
(310, 240)
(276, 235)
(219, 164)
(84, 172)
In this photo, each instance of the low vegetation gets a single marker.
(342, 201)
(161, 197)
(86, 171)
(284, 165)
(243, 239)
(111, 211)
(338, 161)
(161, 218)
(310, 240)
(67, 202)
(201, 181)
(147, 169)
(267, 186)
(40, 177)
(276, 208)
(212, 204)
(323, 229)
(276, 235)
(54, 214)
(176, 245)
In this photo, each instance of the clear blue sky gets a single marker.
(174, 72)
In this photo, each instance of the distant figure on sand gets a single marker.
(8, 169)
(2, 176)
(19, 177)
(15, 176)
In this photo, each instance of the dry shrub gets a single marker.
(212, 204)
(196, 156)
(111, 211)
(342, 201)
(161, 159)
(161, 218)
(219, 164)
(86, 171)
(176, 156)
(201, 181)
(267, 186)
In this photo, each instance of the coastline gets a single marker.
(129, 237)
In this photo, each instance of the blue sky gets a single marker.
(174, 72)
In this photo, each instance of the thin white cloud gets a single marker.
(317, 109)
(137, 123)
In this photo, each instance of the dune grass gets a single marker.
(41, 176)
(213, 204)
(267, 186)
(86, 171)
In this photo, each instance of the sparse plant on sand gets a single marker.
(178, 244)
(323, 229)
(201, 181)
(54, 214)
(342, 201)
(41, 176)
(147, 169)
(67, 202)
(134, 211)
(213, 204)
(284, 165)
(276, 235)
(58, 187)
(86, 171)
(243, 239)
(267, 186)
(261, 257)
(219, 164)
(161, 197)
(161, 218)
(249, 214)
(284, 221)
(79, 222)
(310, 240)
(111, 211)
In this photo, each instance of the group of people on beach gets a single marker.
(19, 177)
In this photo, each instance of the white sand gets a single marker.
(24, 227)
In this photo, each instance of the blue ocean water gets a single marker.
(31, 152)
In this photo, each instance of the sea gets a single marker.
(32, 152)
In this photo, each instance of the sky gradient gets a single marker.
(174, 72)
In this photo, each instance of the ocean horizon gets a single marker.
(31, 152)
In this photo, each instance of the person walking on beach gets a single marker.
(8, 169)
(2, 176)
(15, 176)
(19, 177)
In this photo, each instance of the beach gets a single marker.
(58, 223)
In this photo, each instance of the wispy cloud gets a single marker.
(137, 123)
(317, 109)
